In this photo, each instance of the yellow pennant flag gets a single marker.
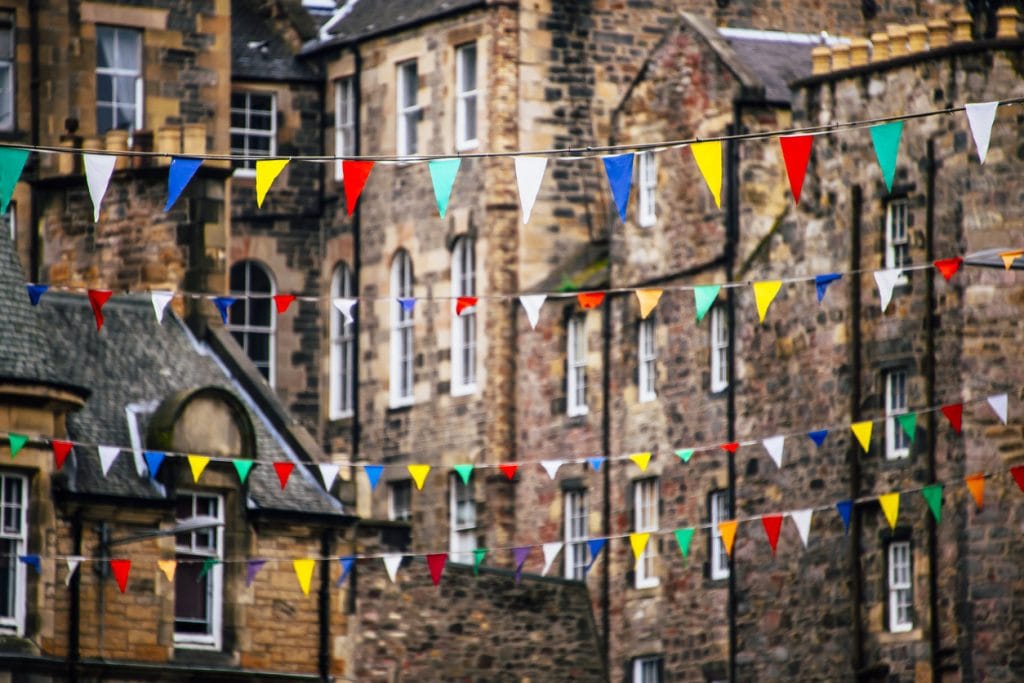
(648, 300)
(764, 295)
(419, 474)
(890, 503)
(1009, 257)
(976, 484)
(638, 541)
(304, 572)
(198, 463)
(862, 430)
(641, 460)
(168, 567)
(267, 171)
(709, 160)
(728, 531)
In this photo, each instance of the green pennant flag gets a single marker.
(442, 174)
(464, 471)
(683, 538)
(685, 454)
(18, 442)
(243, 467)
(478, 557)
(208, 564)
(704, 296)
(886, 139)
(12, 161)
(909, 423)
(933, 494)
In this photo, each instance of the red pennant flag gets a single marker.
(730, 447)
(60, 451)
(464, 302)
(121, 569)
(284, 470)
(590, 299)
(283, 301)
(772, 526)
(1018, 475)
(98, 297)
(354, 175)
(948, 266)
(436, 563)
(796, 150)
(954, 413)
(509, 469)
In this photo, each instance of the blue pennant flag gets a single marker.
(35, 292)
(845, 507)
(408, 304)
(223, 303)
(595, 546)
(32, 561)
(346, 567)
(153, 461)
(596, 462)
(179, 173)
(821, 283)
(373, 473)
(818, 436)
(619, 170)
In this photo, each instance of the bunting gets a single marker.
(392, 562)
(223, 304)
(862, 430)
(998, 404)
(252, 568)
(845, 510)
(153, 460)
(551, 467)
(818, 436)
(933, 496)
(304, 573)
(772, 526)
(436, 563)
(60, 452)
(98, 169)
(976, 485)
(764, 294)
(344, 306)
(588, 300)
(509, 469)
(328, 473)
(774, 445)
(529, 174)
(683, 539)
(121, 569)
(242, 467)
(160, 301)
(12, 162)
(197, 463)
(35, 293)
(728, 531)
(179, 173)
(267, 171)
(531, 304)
(442, 176)
(284, 471)
(641, 460)
(802, 519)
(885, 137)
(419, 474)
(887, 281)
(16, 442)
(519, 556)
(107, 456)
(346, 567)
(373, 473)
(551, 551)
(97, 299)
(73, 561)
(638, 542)
(684, 454)
(619, 170)
(465, 471)
(796, 151)
(954, 413)
(980, 117)
(282, 302)
(648, 299)
(168, 567)
(704, 296)
(353, 177)
(821, 283)
(948, 266)
(708, 156)
(890, 503)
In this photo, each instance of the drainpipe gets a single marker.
(929, 279)
(75, 611)
(357, 256)
(606, 479)
(35, 246)
(324, 607)
(853, 458)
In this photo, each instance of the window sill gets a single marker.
(719, 390)
(647, 224)
(340, 417)
(648, 398)
(467, 146)
(911, 634)
(397, 406)
(248, 173)
(463, 390)
(183, 643)
(647, 585)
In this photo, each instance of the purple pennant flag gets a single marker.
(346, 567)
(223, 303)
(520, 555)
(252, 567)
(32, 561)
(35, 292)
(595, 546)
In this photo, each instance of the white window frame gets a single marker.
(246, 330)
(11, 219)
(116, 72)
(402, 378)
(135, 415)
(647, 669)
(15, 624)
(464, 327)
(343, 348)
(462, 520)
(577, 532)
(215, 593)
(344, 121)
(901, 587)
(646, 359)
(719, 350)
(247, 168)
(647, 188)
(407, 138)
(8, 70)
(718, 502)
(646, 500)
(576, 366)
(395, 513)
(897, 236)
(897, 443)
(466, 98)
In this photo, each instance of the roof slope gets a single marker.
(364, 18)
(258, 52)
(776, 58)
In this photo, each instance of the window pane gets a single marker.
(190, 597)
(8, 577)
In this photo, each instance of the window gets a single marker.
(465, 97)
(462, 519)
(344, 121)
(408, 109)
(647, 170)
(719, 350)
(897, 242)
(577, 532)
(13, 535)
(253, 128)
(400, 500)
(118, 79)
(576, 377)
(7, 42)
(897, 443)
(464, 326)
(9, 222)
(901, 590)
(198, 582)
(718, 502)
(401, 331)
(648, 669)
(645, 518)
(251, 318)
(343, 348)
(646, 357)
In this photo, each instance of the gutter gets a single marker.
(930, 397)
(35, 246)
(853, 458)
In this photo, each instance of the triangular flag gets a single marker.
(948, 266)
(304, 573)
(772, 526)
(684, 537)
(35, 292)
(223, 304)
(955, 414)
(242, 467)
(641, 460)
(436, 563)
(153, 461)
(933, 496)
(638, 542)
(890, 503)
(728, 531)
(267, 171)
(107, 456)
(73, 562)
(168, 567)
(407, 303)
(442, 175)
(796, 151)
(509, 469)
(886, 281)
(121, 569)
(818, 436)
(976, 485)
(529, 173)
(419, 474)
(1009, 257)
(708, 156)
(373, 473)
(17, 442)
(998, 403)
(764, 294)
(354, 175)
(980, 116)
(328, 473)
(252, 568)
(160, 301)
(908, 422)
(179, 173)
(730, 447)
(704, 296)
(594, 547)
(98, 169)
(464, 472)
(595, 463)
(60, 452)
(531, 304)
(197, 463)
(12, 162)
(551, 467)
(344, 305)
(648, 299)
(208, 564)
(1018, 475)
(346, 566)
(392, 561)
(685, 454)
(97, 298)
(588, 300)
(551, 551)
(519, 555)
(32, 561)
(478, 558)
(862, 430)
(619, 170)
(821, 283)
(774, 445)
(282, 302)
(802, 519)
(886, 139)
(284, 470)
(845, 509)
(464, 302)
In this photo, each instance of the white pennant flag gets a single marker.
(803, 522)
(551, 551)
(886, 281)
(981, 116)
(107, 456)
(998, 403)
(345, 306)
(529, 173)
(532, 304)
(160, 301)
(391, 563)
(98, 169)
(551, 467)
(329, 473)
(774, 446)
(73, 562)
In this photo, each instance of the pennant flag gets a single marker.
(373, 473)
(208, 564)
(509, 469)
(638, 542)
(179, 173)
(764, 294)
(168, 567)
(772, 526)
(619, 170)
(845, 509)
(684, 537)
(908, 421)
(304, 573)
(353, 176)
(73, 562)
(551, 551)
(648, 299)
(685, 454)
(153, 459)
(407, 303)
(97, 298)
(223, 304)
(551, 467)
(1009, 257)
(976, 485)
(933, 496)
(730, 447)
(821, 283)
(345, 305)
(419, 474)
(328, 473)
(121, 569)
(346, 566)
(98, 169)
(392, 561)
(980, 116)
(802, 519)
(436, 563)
(464, 472)
(242, 467)
(252, 568)
(284, 470)
(886, 139)
(32, 561)
(531, 304)
(520, 555)
(708, 156)
(887, 281)
(442, 175)
(641, 460)
(35, 292)
(529, 173)
(704, 296)
(594, 547)
(60, 452)
(796, 151)
(17, 442)
(107, 456)
(590, 300)
(818, 436)
(478, 558)
(774, 446)
(197, 463)
(728, 531)
(464, 302)
(862, 430)
(267, 171)
(954, 413)
(998, 403)
(12, 162)
(595, 463)
(160, 301)
(890, 503)
(282, 302)
(948, 266)
(1018, 475)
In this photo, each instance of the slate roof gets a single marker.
(361, 19)
(258, 52)
(776, 58)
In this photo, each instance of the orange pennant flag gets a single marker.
(590, 299)
(728, 531)
(976, 484)
(648, 300)
(1009, 257)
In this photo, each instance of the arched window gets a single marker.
(464, 325)
(401, 386)
(343, 347)
(251, 318)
